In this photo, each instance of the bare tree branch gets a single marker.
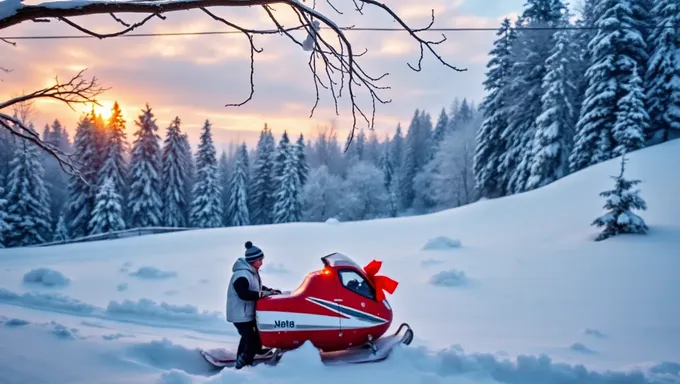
(341, 58)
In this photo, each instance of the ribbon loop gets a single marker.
(381, 283)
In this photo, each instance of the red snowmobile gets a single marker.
(341, 309)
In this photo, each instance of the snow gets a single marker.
(442, 243)
(450, 278)
(548, 304)
(152, 273)
(47, 277)
(9, 8)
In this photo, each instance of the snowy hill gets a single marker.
(512, 289)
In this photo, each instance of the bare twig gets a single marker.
(341, 58)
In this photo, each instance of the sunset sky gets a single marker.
(193, 77)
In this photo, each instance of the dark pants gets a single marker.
(250, 343)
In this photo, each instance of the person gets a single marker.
(245, 288)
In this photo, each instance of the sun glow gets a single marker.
(105, 109)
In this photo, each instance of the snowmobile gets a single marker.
(341, 309)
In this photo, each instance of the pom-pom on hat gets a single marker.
(253, 253)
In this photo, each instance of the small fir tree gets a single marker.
(107, 215)
(620, 201)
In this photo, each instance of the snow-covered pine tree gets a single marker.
(301, 156)
(60, 231)
(206, 206)
(583, 36)
(82, 190)
(114, 166)
(56, 180)
(615, 50)
(101, 137)
(555, 125)
(190, 167)
(174, 177)
(280, 158)
(107, 215)
(287, 199)
(322, 196)
(238, 200)
(416, 155)
(439, 132)
(388, 174)
(663, 72)
(372, 149)
(531, 49)
(4, 227)
(144, 201)
(28, 207)
(396, 146)
(365, 195)
(224, 170)
(620, 202)
(490, 177)
(7, 141)
(632, 120)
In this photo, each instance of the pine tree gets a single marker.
(397, 149)
(615, 51)
(531, 50)
(28, 207)
(288, 204)
(301, 156)
(114, 166)
(490, 177)
(663, 72)
(262, 186)
(190, 179)
(632, 120)
(225, 171)
(60, 231)
(4, 227)
(144, 201)
(174, 177)
(82, 189)
(439, 132)
(238, 200)
(555, 125)
(620, 203)
(56, 180)
(206, 207)
(107, 215)
(388, 173)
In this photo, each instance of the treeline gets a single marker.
(156, 181)
(562, 98)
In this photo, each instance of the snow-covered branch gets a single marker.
(340, 59)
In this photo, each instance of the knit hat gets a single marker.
(253, 253)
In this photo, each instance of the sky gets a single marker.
(193, 77)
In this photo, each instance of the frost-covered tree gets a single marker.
(206, 207)
(555, 125)
(632, 120)
(107, 215)
(224, 169)
(620, 202)
(663, 72)
(365, 194)
(56, 180)
(60, 231)
(416, 155)
(4, 227)
(28, 207)
(237, 210)
(372, 149)
(322, 195)
(174, 177)
(190, 167)
(288, 199)
(396, 146)
(531, 49)
(301, 156)
(490, 177)
(388, 174)
(116, 148)
(439, 132)
(615, 50)
(261, 191)
(280, 158)
(82, 190)
(144, 201)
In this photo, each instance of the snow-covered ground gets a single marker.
(512, 290)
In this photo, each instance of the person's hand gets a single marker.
(276, 291)
(264, 294)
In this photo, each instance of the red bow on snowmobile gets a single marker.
(381, 283)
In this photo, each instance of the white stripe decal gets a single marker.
(291, 321)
